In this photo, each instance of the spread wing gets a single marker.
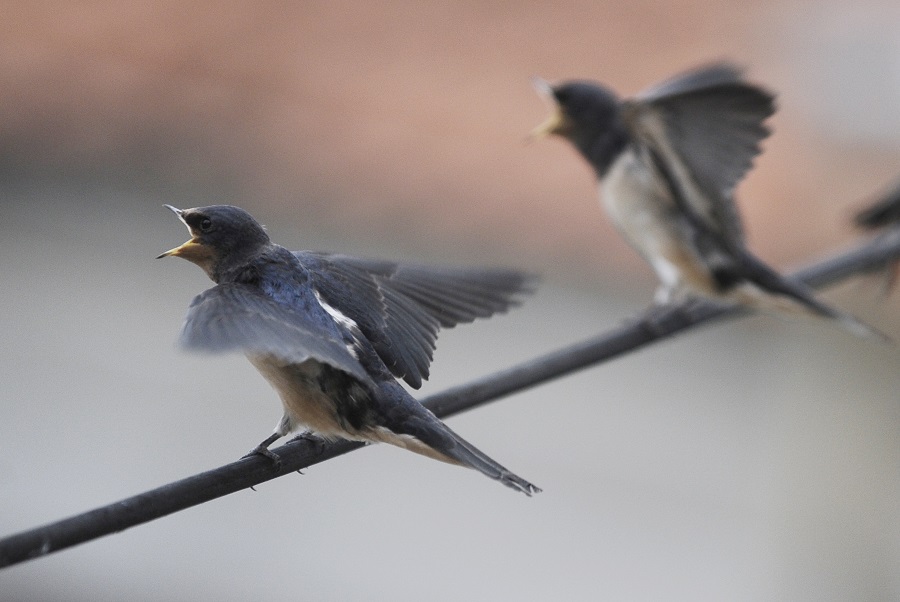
(236, 317)
(705, 126)
(401, 307)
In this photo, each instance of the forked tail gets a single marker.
(411, 425)
(783, 294)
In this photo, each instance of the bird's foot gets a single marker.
(658, 319)
(317, 442)
(263, 450)
(266, 453)
(693, 308)
(663, 319)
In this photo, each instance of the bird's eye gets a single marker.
(205, 224)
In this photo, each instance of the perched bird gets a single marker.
(332, 334)
(668, 162)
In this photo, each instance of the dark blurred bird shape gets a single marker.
(883, 214)
(332, 333)
(668, 162)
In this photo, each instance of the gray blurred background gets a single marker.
(754, 460)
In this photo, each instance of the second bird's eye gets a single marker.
(205, 224)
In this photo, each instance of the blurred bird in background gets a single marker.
(882, 215)
(332, 334)
(668, 162)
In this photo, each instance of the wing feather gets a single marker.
(706, 126)
(400, 308)
(237, 317)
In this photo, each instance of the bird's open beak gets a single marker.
(557, 123)
(177, 251)
(175, 210)
(193, 250)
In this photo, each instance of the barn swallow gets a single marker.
(668, 162)
(333, 333)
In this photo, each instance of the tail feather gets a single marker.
(410, 425)
(468, 455)
(773, 289)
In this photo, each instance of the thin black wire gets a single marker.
(302, 453)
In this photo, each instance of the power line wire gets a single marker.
(654, 325)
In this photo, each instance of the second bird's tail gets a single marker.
(783, 294)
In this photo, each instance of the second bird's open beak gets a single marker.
(557, 123)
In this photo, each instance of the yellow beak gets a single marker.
(189, 250)
(181, 250)
(193, 250)
(558, 122)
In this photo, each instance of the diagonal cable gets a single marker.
(303, 452)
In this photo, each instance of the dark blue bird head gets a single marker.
(221, 236)
(589, 115)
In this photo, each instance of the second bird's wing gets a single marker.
(703, 129)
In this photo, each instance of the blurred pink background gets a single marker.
(384, 115)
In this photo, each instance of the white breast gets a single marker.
(645, 215)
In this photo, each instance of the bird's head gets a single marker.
(587, 114)
(221, 235)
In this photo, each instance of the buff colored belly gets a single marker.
(305, 406)
(647, 219)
